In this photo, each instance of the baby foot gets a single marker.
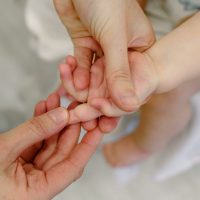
(162, 118)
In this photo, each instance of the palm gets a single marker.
(44, 169)
(42, 179)
(35, 179)
(31, 181)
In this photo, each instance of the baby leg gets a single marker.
(161, 119)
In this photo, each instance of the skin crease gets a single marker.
(24, 176)
(153, 126)
(93, 32)
(176, 106)
(152, 58)
(152, 70)
(97, 96)
(26, 172)
(164, 53)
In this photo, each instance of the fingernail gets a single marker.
(129, 100)
(59, 115)
(139, 42)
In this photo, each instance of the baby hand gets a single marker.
(96, 98)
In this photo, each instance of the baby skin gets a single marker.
(153, 72)
(161, 119)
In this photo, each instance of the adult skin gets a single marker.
(109, 28)
(22, 176)
(43, 156)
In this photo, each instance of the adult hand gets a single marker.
(98, 101)
(109, 28)
(21, 174)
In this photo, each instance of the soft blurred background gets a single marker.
(26, 78)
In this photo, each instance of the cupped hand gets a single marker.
(42, 157)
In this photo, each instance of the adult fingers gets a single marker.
(33, 131)
(53, 101)
(66, 172)
(108, 124)
(30, 153)
(83, 113)
(67, 141)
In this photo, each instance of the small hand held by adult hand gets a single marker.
(109, 28)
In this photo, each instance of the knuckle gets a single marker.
(83, 61)
(37, 127)
(120, 74)
(35, 176)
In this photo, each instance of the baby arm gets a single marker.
(176, 56)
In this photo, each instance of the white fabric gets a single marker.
(51, 42)
(50, 39)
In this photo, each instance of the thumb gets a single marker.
(118, 73)
(34, 131)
